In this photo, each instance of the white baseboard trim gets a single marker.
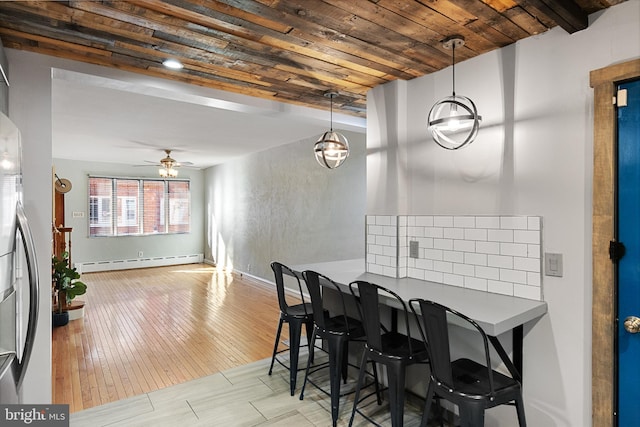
(126, 264)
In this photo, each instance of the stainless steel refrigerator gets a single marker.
(18, 270)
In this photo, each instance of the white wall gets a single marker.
(533, 156)
(85, 249)
(281, 205)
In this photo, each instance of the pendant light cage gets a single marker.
(454, 121)
(332, 149)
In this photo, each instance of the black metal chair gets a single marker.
(391, 348)
(337, 329)
(295, 315)
(472, 386)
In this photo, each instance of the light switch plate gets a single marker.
(553, 264)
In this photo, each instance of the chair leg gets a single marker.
(471, 415)
(520, 409)
(335, 370)
(345, 360)
(309, 326)
(374, 368)
(275, 346)
(295, 329)
(395, 376)
(427, 405)
(363, 366)
(306, 372)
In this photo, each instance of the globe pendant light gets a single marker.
(332, 149)
(454, 120)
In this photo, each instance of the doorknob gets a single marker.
(632, 324)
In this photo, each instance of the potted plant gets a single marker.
(66, 286)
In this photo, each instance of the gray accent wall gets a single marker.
(281, 205)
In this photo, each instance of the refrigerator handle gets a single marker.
(32, 267)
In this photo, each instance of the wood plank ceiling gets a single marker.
(292, 51)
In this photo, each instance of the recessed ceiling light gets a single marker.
(173, 64)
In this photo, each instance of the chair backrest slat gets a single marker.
(279, 270)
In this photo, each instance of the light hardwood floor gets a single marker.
(148, 329)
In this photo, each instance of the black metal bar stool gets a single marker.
(390, 348)
(295, 315)
(472, 386)
(337, 329)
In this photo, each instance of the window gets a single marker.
(127, 206)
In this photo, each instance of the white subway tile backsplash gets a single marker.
(500, 235)
(453, 280)
(389, 251)
(533, 223)
(499, 254)
(424, 264)
(434, 254)
(514, 249)
(426, 242)
(424, 221)
(526, 236)
(515, 276)
(416, 273)
(415, 231)
(464, 269)
(464, 221)
(443, 266)
(446, 244)
(453, 233)
(514, 222)
(526, 264)
(488, 247)
(375, 229)
(529, 292)
(453, 256)
(435, 232)
(487, 222)
(443, 221)
(433, 276)
(475, 234)
(475, 259)
(492, 273)
(475, 283)
(384, 219)
(389, 230)
(533, 279)
(497, 287)
(464, 245)
(501, 261)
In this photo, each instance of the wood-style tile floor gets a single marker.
(242, 396)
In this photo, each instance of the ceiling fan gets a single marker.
(169, 165)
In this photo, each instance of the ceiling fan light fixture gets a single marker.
(172, 63)
(167, 170)
(332, 148)
(454, 121)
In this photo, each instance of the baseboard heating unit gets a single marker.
(125, 264)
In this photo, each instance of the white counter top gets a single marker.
(495, 313)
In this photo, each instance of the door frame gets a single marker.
(603, 357)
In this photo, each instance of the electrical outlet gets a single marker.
(414, 249)
(139, 254)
